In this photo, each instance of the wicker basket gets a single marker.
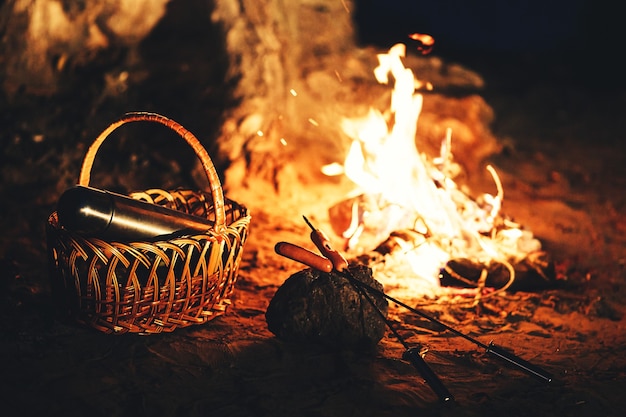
(156, 286)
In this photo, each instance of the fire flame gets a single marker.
(400, 189)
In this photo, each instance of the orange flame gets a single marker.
(402, 189)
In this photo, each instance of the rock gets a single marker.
(319, 307)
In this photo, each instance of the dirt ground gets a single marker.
(563, 171)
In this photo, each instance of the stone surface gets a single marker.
(319, 307)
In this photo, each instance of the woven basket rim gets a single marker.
(215, 185)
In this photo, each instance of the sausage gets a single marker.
(302, 255)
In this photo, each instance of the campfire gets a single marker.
(275, 91)
(409, 207)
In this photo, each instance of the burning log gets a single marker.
(533, 273)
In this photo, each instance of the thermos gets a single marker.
(92, 212)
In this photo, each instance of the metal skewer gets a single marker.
(490, 348)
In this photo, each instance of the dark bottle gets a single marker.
(96, 213)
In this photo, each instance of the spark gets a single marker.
(426, 42)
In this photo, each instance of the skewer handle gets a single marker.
(412, 355)
(525, 366)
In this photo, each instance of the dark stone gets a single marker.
(319, 307)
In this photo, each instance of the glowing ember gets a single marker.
(426, 42)
(403, 196)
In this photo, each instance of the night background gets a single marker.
(560, 59)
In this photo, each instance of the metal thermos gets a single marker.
(97, 213)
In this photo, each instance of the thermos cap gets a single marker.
(85, 210)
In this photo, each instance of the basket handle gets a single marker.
(214, 181)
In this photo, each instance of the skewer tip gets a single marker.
(308, 222)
